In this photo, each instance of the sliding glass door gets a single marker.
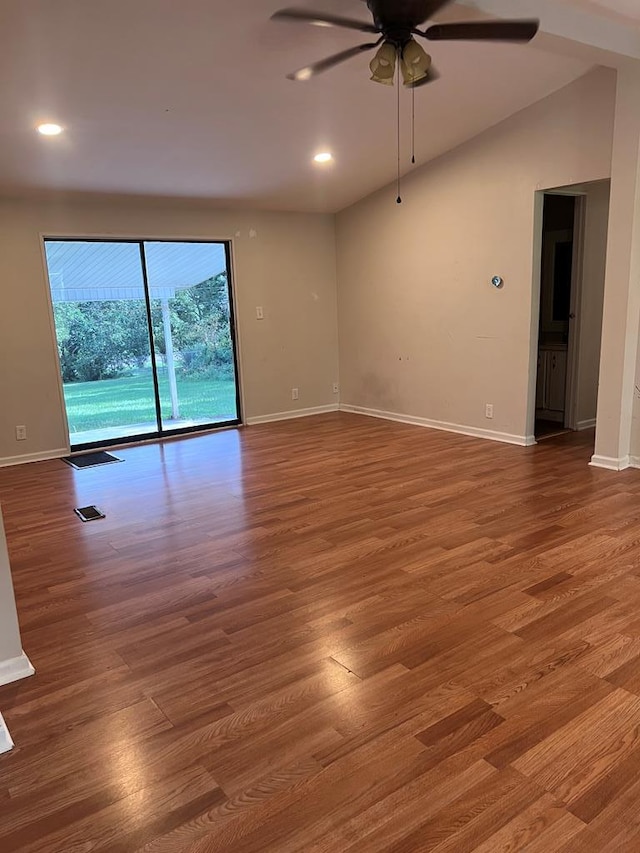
(145, 337)
(192, 326)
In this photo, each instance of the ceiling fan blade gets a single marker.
(518, 31)
(432, 75)
(323, 19)
(309, 71)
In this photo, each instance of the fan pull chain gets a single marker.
(413, 125)
(399, 199)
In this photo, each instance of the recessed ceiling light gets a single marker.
(323, 157)
(48, 129)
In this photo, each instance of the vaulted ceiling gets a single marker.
(189, 98)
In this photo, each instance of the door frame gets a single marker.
(575, 315)
(160, 435)
(573, 346)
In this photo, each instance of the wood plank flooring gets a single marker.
(335, 634)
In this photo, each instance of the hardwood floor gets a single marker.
(335, 634)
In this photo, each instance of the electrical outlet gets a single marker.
(336, 388)
(294, 393)
(21, 433)
(259, 313)
(488, 411)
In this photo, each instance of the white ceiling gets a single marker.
(190, 99)
(625, 9)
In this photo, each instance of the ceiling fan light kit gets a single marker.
(396, 24)
(383, 65)
(413, 60)
(415, 63)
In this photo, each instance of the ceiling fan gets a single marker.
(396, 22)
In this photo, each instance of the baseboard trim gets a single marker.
(459, 429)
(7, 461)
(15, 669)
(634, 462)
(610, 463)
(6, 744)
(294, 413)
(588, 424)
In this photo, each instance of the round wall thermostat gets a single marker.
(497, 281)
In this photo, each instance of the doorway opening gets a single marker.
(572, 226)
(146, 339)
(557, 287)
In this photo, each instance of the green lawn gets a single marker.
(129, 400)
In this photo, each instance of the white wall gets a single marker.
(283, 262)
(422, 332)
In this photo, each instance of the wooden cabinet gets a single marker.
(552, 384)
(557, 381)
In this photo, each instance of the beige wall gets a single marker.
(422, 332)
(283, 262)
(621, 310)
(618, 432)
(593, 276)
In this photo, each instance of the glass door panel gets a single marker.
(102, 330)
(192, 333)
